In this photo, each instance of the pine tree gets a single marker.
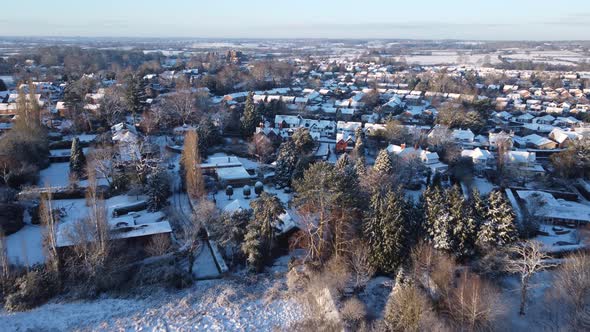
(383, 163)
(134, 93)
(464, 231)
(158, 189)
(251, 117)
(361, 168)
(343, 162)
(478, 206)
(359, 144)
(303, 141)
(260, 237)
(286, 163)
(499, 227)
(77, 158)
(348, 183)
(438, 219)
(252, 247)
(386, 231)
(266, 211)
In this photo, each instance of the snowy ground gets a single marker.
(24, 247)
(551, 242)
(58, 175)
(483, 185)
(536, 317)
(251, 303)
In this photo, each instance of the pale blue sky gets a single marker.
(426, 19)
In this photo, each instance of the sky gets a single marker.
(366, 19)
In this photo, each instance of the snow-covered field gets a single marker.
(238, 304)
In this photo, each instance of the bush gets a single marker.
(408, 309)
(33, 289)
(353, 311)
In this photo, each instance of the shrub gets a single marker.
(33, 289)
(353, 311)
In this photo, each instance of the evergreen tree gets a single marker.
(77, 158)
(417, 228)
(386, 230)
(342, 162)
(303, 141)
(438, 219)
(361, 168)
(479, 207)
(158, 189)
(499, 227)
(266, 212)
(464, 230)
(253, 246)
(383, 163)
(348, 183)
(286, 163)
(251, 117)
(359, 144)
(134, 94)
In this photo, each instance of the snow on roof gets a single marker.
(537, 140)
(222, 162)
(463, 135)
(560, 135)
(521, 156)
(236, 205)
(546, 205)
(233, 173)
(477, 153)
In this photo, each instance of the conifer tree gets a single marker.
(134, 93)
(251, 117)
(386, 230)
(437, 218)
(479, 207)
(361, 168)
(348, 183)
(383, 163)
(260, 237)
(77, 158)
(499, 227)
(252, 246)
(343, 162)
(286, 163)
(359, 144)
(464, 226)
(158, 189)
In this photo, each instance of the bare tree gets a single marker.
(50, 235)
(4, 263)
(573, 287)
(90, 239)
(159, 245)
(261, 147)
(102, 160)
(408, 309)
(182, 105)
(474, 304)
(360, 264)
(112, 106)
(527, 260)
